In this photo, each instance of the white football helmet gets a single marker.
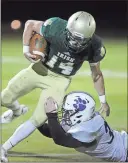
(77, 107)
(80, 29)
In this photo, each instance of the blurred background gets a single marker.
(109, 15)
(111, 23)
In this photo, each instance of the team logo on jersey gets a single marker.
(80, 104)
(65, 56)
(102, 51)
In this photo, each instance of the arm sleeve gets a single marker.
(46, 29)
(44, 130)
(59, 136)
(98, 50)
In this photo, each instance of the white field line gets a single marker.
(107, 73)
(12, 59)
(45, 154)
(70, 157)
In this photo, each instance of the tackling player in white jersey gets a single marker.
(84, 129)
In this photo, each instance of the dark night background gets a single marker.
(110, 16)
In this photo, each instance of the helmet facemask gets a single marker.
(66, 116)
(75, 42)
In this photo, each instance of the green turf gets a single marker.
(116, 90)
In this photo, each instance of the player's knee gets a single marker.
(38, 120)
(6, 98)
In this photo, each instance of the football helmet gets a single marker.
(79, 31)
(77, 107)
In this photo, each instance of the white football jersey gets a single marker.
(111, 145)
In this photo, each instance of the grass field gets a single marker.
(114, 67)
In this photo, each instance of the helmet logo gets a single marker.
(80, 104)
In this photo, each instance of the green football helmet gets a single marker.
(79, 31)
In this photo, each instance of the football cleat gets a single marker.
(9, 115)
(3, 156)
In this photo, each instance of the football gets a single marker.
(38, 46)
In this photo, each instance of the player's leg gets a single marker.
(39, 117)
(57, 87)
(25, 129)
(19, 85)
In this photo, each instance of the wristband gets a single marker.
(102, 99)
(25, 49)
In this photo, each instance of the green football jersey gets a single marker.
(59, 59)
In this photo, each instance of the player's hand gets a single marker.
(31, 57)
(104, 109)
(50, 105)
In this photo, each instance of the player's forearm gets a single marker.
(59, 136)
(44, 130)
(98, 81)
(28, 30)
(30, 27)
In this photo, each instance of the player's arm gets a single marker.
(62, 138)
(39, 27)
(30, 27)
(44, 130)
(98, 80)
(59, 136)
(55, 131)
(97, 76)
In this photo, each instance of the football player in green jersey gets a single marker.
(69, 44)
